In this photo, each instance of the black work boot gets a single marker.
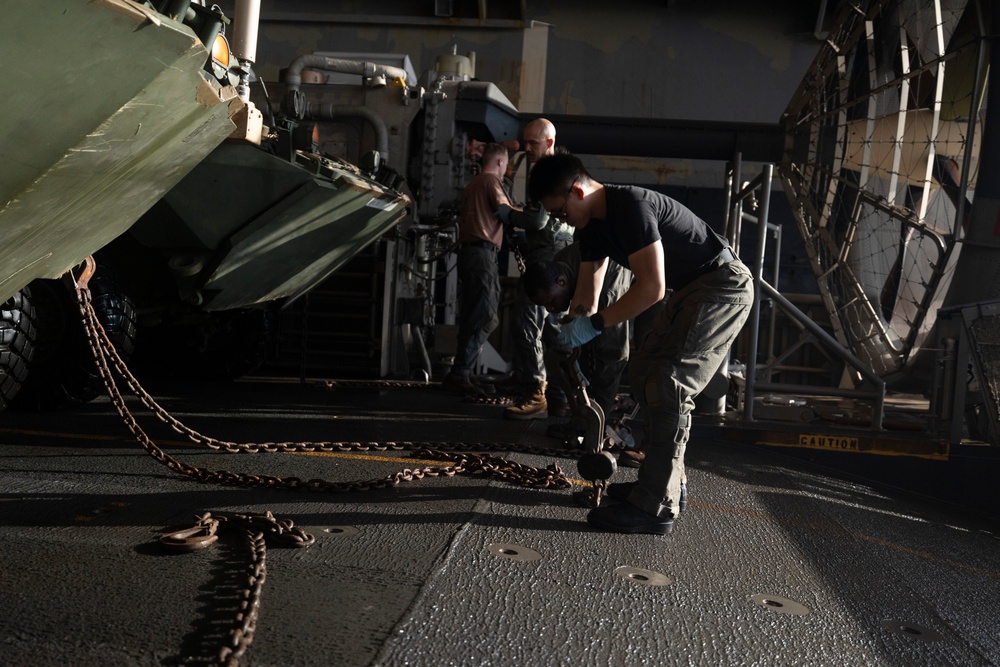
(627, 518)
(620, 491)
(558, 407)
(458, 384)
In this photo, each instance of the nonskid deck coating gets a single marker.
(773, 562)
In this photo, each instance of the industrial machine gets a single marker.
(888, 165)
(413, 133)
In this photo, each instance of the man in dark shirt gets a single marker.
(666, 246)
(550, 285)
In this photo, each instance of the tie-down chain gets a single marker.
(203, 534)
(258, 529)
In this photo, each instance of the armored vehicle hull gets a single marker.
(97, 128)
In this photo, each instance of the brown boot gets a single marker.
(532, 406)
(631, 458)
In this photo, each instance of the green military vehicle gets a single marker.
(146, 152)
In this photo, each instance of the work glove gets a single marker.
(504, 213)
(577, 331)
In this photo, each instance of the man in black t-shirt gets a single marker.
(667, 247)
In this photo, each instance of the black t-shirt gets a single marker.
(637, 217)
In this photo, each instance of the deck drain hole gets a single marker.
(912, 631)
(781, 605)
(641, 576)
(341, 531)
(514, 552)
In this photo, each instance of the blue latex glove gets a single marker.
(504, 213)
(577, 331)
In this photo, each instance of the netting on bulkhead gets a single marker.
(879, 168)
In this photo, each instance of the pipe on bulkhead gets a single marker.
(245, 26)
(330, 111)
(293, 77)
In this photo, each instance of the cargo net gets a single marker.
(878, 168)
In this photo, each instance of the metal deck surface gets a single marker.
(773, 562)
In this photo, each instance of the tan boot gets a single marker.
(533, 406)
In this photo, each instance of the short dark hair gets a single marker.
(492, 151)
(540, 276)
(554, 174)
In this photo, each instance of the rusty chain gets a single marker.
(338, 384)
(259, 528)
(103, 350)
(518, 257)
(484, 399)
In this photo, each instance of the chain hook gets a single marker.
(87, 269)
(196, 538)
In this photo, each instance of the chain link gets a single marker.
(483, 399)
(258, 528)
(104, 350)
(519, 257)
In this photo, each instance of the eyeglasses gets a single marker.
(562, 214)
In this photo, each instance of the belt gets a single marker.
(727, 255)
(485, 245)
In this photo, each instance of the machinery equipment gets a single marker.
(413, 132)
(88, 148)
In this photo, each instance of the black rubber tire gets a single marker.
(63, 372)
(17, 343)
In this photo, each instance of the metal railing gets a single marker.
(876, 394)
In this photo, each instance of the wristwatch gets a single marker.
(597, 321)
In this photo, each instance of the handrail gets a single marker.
(877, 394)
(752, 385)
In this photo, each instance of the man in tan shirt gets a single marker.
(480, 235)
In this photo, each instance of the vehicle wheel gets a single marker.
(63, 372)
(17, 343)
